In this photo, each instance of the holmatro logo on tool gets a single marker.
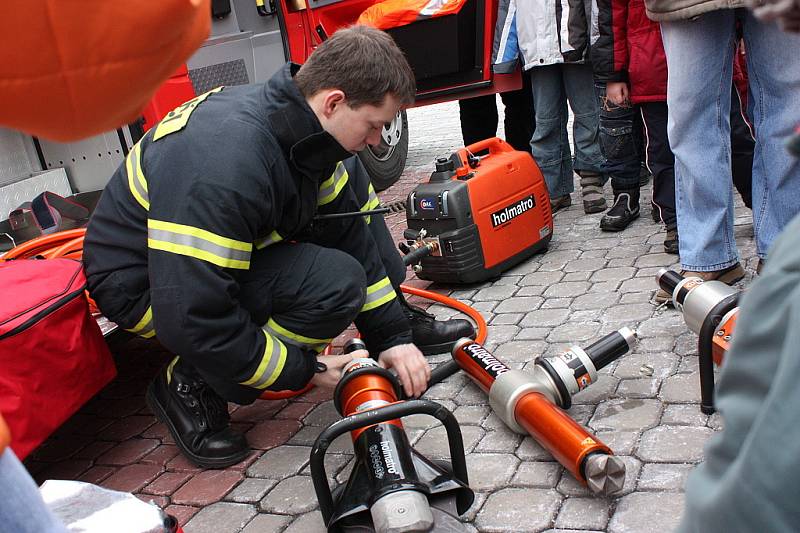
(512, 211)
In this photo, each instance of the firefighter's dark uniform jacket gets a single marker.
(222, 178)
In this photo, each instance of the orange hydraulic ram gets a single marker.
(532, 402)
(710, 309)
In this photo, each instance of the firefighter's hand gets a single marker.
(330, 377)
(410, 365)
(617, 93)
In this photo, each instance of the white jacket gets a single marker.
(552, 31)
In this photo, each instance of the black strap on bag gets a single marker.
(45, 214)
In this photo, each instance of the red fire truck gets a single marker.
(450, 56)
(249, 41)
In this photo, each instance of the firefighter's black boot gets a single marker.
(196, 416)
(433, 336)
(624, 211)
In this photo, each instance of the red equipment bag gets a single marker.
(53, 357)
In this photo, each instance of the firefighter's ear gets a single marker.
(332, 101)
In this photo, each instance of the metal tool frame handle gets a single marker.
(376, 416)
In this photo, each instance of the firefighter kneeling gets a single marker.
(204, 239)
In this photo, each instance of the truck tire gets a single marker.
(386, 161)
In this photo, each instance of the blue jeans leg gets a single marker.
(700, 61)
(550, 144)
(579, 86)
(21, 506)
(774, 105)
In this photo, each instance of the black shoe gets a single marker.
(624, 211)
(433, 336)
(196, 417)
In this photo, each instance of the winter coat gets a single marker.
(629, 49)
(660, 10)
(552, 31)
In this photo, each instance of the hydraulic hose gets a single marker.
(440, 372)
(45, 244)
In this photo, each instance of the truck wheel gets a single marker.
(386, 161)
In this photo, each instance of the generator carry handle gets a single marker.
(494, 145)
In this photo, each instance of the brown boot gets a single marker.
(560, 202)
(592, 192)
(729, 276)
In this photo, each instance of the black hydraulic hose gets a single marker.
(331, 216)
(417, 255)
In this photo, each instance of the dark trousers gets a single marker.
(742, 146)
(660, 160)
(479, 117)
(620, 142)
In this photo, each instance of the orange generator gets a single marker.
(477, 216)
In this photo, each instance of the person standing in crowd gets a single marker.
(699, 40)
(479, 117)
(554, 45)
(747, 482)
(628, 59)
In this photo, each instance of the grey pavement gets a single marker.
(645, 406)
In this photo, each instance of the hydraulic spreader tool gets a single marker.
(710, 309)
(531, 403)
(477, 216)
(392, 487)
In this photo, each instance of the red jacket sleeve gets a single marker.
(610, 52)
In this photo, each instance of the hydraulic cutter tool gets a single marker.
(710, 309)
(532, 402)
(392, 487)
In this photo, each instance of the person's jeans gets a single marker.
(700, 58)
(21, 506)
(552, 86)
(620, 140)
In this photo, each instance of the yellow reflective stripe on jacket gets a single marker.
(295, 338)
(378, 294)
(270, 239)
(145, 327)
(372, 203)
(330, 188)
(271, 365)
(198, 243)
(136, 180)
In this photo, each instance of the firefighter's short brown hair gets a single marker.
(363, 62)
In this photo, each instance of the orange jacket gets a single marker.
(74, 68)
(394, 13)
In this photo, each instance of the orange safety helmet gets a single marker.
(70, 69)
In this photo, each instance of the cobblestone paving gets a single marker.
(645, 406)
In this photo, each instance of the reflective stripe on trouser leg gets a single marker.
(378, 294)
(145, 327)
(289, 337)
(271, 364)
